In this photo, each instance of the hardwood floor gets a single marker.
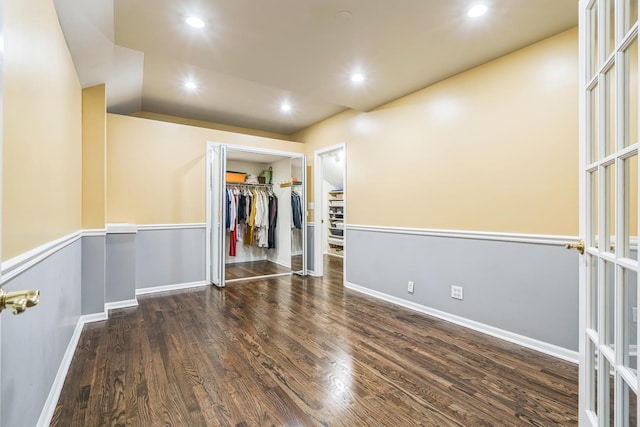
(296, 351)
(240, 270)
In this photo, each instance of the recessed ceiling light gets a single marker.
(357, 77)
(191, 85)
(285, 107)
(477, 10)
(195, 22)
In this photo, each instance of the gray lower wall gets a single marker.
(120, 267)
(93, 274)
(527, 289)
(169, 257)
(76, 280)
(34, 343)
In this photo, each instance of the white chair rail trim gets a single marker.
(151, 227)
(540, 239)
(13, 267)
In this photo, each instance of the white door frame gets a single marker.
(207, 250)
(582, 298)
(1, 157)
(320, 206)
(257, 150)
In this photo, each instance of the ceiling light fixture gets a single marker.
(195, 22)
(477, 10)
(191, 85)
(285, 107)
(357, 78)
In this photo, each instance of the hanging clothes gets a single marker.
(227, 209)
(233, 221)
(263, 231)
(233, 210)
(273, 218)
(248, 232)
(242, 208)
(252, 217)
(296, 210)
(248, 203)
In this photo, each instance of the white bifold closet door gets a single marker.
(217, 184)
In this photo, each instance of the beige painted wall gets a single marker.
(491, 149)
(156, 170)
(42, 139)
(94, 156)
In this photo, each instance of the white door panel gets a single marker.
(608, 212)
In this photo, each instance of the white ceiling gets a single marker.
(252, 55)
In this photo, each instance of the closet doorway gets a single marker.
(330, 203)
(256, 222)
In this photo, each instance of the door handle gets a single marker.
(19, 301)
(579, 246)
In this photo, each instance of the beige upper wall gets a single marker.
(94, 156)
(156, 170)
(41, 186)
(491, 149)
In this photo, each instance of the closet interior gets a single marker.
(335, 222)
(334, 213)
(263, 215)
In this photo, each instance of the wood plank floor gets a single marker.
(297, 351)
(240, 270)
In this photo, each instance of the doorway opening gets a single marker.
(256, 226)
(330, 208)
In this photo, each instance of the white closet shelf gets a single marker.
(335, 225)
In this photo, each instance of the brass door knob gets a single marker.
(19, 301)
(579, 246)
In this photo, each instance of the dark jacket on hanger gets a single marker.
(296, 209)
(273, 219)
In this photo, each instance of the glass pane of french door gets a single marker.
(609, 212)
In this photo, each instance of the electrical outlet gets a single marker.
(456, 292)
(410, 286)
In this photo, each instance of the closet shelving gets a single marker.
(335, 213)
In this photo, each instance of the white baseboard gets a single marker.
(54, 394)
(543, 347)
(280, 263)
(120, 304)
(266, 276)
(96, 317)
(166, 288)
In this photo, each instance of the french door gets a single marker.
(609, 212)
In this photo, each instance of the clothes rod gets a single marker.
(244, 184)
